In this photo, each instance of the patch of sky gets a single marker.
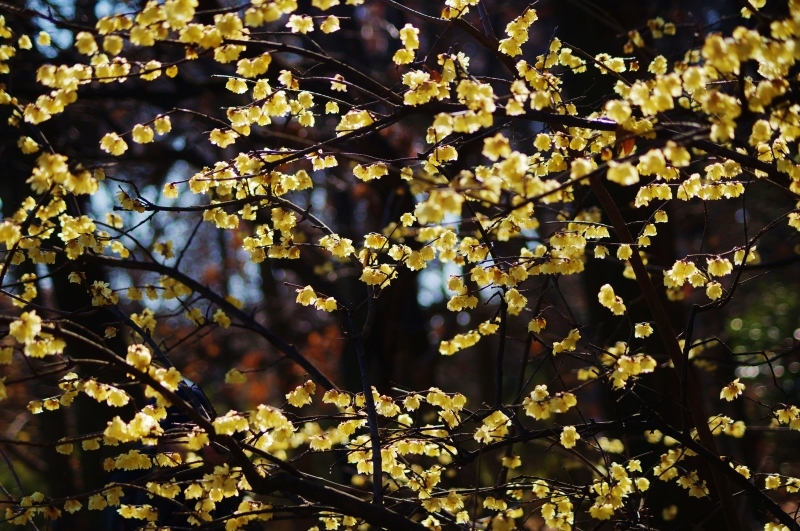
(432, 281)
(531, 235)
(61, 38)
(45, 282)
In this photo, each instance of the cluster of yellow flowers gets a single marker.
(517, 31)
(611, 301)
(790, 416)
(512, 181)
(409, 36)
(612, 491)
(622, 364)
(249, 510)
(722, 424)
(540, 404)
(559, 512)
(307, 297)
(27, 330)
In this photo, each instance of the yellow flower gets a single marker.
(496, 147)
(91, 444)
(197, 440)
(27, 145)
(569, 437)
(72, 506)
(752, 256)
(719, 267)
(622, 173)
(614, 64)
(117, 397)
(112, 44)
(634, 465)
(381, 275)
(222, 319)
(139, 356)
(643, 330)
(234, 376)
(338, 86)
(171, 191)
(516, 301)
(327, 304)
(163, 125)
(542, 142)
(652, 162)
(731, 391)
(236, 85)
(537, 324)
(368, 173)
(306, 296)
(600, 251)
(230, 423)
(142, 134)
(403, 56)
(300, 24)
(494, 427)
(338, 246)
(84, 42)
(354, 120)
(772, 482)
(412, 402)
(330, 24)
(495, 504)
(26, 328)
(658, 65)
(581, 167)
(409, 36)
(609, 300)
(335, 397)
(677, 275)
(65, 448)
(223, 138)
(602, 511)
(618, 110)
(568, 344)
(302, 394)
(669, 513)
(324, 5)
(112, 143)
(374, 240)
(320, 443)
(714, 290)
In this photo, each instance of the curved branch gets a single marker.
(670, 343)
(288, 350)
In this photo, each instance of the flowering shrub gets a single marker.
(171, 160)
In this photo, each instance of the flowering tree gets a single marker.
(229, 228)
